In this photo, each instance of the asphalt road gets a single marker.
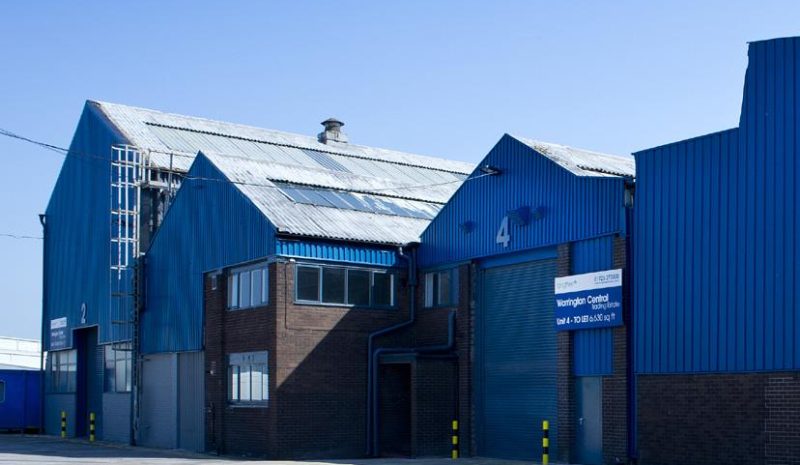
(41, 450)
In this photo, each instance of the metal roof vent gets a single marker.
(333, 131)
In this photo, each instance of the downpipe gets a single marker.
(412, 286)
(447, 347)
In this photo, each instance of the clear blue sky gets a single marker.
(443, 78)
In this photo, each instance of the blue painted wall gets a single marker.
(210, 224)
(716, 259)
(593, 350)
(576, 207)
(76, 239)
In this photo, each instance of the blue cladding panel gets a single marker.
(210, 224)
(716, 225)
(76, 245)
(575, 207)
(336, 252)
(594, 348)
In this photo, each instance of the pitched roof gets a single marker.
(582, 162)
(304, 187)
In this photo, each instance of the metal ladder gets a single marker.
(129, 172)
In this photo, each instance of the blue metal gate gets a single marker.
(516, 360)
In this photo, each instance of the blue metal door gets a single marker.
(589, 430)
(516, 360)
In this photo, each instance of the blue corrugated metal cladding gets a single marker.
(593, 348)
(210, 224)
(567, 207)
(76, 244)
(716, 256)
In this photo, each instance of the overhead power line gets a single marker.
(18, 236)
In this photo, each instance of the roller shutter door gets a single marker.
(516, 360)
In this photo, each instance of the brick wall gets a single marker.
(615, 387)
(719, 418)
(230, 429)
(434, 406)
(782, 422)
(318, 372)
(564, 378)
(321, 372)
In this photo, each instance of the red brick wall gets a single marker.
(318, 372)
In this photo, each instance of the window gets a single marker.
(118, 367)
(338, 285)
(382, 289)
(62, 370)
(2, 391)
(248, 287)
(441, 288)
(308, 283)
(248, 378)
(333, 289)
(358, 287)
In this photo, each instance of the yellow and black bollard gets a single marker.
(545, 442)
(454, 450)
(91, 427)
(63, 424)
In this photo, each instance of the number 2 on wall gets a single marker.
(83, 313)
(503, 234)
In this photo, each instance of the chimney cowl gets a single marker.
(333, 131)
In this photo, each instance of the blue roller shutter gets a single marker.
(516, 360)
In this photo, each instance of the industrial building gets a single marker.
(217, 287)
(147, 203)
(539, 212)
(716, 262)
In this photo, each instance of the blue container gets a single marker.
(20, 401)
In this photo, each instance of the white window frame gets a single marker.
(60, 378)
(124, 357)
(236, 363)
(433, 291)
(234, 299)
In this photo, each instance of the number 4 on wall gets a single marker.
(503, 234)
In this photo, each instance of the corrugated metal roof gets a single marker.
(256, 158)
(253, 178)
(582, 162)
(186, 135)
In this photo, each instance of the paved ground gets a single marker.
(40, 450)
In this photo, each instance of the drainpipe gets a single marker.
(371, 369)
(43, 221)
(447, 347)
(629, 276)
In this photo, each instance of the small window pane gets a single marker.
(358, 287)
(233, 290)
(2, 391)
(333, 285)
(244, 383)
(443, 297)
(244, 290)
(264, 286)
(233, 385)
(308, 283)
(256, 284)
(257, 380)
(429, 288)
(110, 370)
(383, 289)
